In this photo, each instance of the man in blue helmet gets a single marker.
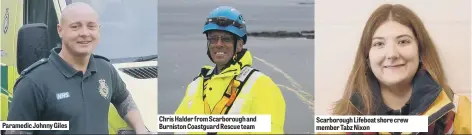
(232, 86)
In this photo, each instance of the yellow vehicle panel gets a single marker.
(12, 19)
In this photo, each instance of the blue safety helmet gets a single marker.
(228, 19)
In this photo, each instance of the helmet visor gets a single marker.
(223, 21)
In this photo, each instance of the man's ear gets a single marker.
(239, 46)
(59, 30)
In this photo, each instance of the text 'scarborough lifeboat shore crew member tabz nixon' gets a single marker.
(397, 71)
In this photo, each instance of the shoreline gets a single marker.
(308, 34)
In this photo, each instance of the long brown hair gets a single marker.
(358, 78)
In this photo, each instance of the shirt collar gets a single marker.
(66, 69)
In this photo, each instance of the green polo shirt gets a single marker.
(51, 90)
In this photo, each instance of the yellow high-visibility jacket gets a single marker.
(259, 95)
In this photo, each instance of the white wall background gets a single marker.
(339, 25)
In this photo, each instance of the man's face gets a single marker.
(79, 30)
(221, 46)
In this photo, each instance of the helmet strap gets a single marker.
(235, 44)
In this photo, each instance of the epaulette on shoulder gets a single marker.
(33, 66)
(101, 57)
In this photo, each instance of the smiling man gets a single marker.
(73, 84)
(232, 86)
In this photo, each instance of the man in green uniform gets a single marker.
(73, 84)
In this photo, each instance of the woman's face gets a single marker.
(393, 56)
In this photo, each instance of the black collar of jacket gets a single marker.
(425, 91)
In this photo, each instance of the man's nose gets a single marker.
(84, 31)
(219, 42)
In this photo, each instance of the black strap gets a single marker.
(206, 76)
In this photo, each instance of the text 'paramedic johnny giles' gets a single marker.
(73, 84)
(232, 87)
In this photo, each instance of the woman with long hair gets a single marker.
(397, 71)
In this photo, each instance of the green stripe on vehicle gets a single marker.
(4, 79)
(5, 91)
